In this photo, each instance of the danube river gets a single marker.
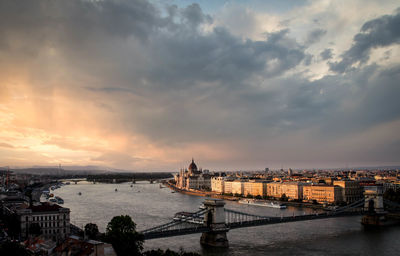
(149, 205)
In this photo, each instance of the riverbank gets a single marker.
(37, 192)
(234, 198)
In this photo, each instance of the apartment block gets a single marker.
(323, 193)
(292, 190)
(351, 190)
(255, 188)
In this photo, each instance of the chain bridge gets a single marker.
(214, 221)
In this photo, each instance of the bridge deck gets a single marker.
(275, 220)
(243, 224)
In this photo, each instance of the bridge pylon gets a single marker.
(373, 206)
(214, 219)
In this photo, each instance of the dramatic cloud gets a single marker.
(380, 32)
(136, 85)
(314, 36)
(326, 54)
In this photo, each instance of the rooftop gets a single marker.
(44, 207)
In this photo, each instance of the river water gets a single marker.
(149, 206)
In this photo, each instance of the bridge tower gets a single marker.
(374, 199)
(373, 206)
(215, 220)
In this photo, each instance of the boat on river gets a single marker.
(59, 200)
(262, 203)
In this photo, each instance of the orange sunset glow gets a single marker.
(148, 92)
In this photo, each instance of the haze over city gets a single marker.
(147, 85)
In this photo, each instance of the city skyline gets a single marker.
(147, 85)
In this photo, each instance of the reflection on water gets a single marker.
(149, 206)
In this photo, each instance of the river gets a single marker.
(149, 205)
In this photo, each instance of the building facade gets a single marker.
(238, 187)
(53, 220)
(228, 187)
(255, 188)
(351, 190)
(292, 190)
(323, 193)
(193, 179)
(217, 184)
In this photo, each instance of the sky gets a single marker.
(237, 85)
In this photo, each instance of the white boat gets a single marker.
(262, 203)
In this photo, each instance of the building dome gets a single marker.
(192, 166)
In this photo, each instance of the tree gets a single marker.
(392, 195)
(121, 233)
(13, 248)
(12, 225)
(91, 230)
(284, 197)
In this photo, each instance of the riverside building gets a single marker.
(218, 184)
(351, 190)
(292, 190)
(255, 188)
(193, 178)
(323, 193)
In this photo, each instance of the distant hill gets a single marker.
(68, 170)
(55, 171)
